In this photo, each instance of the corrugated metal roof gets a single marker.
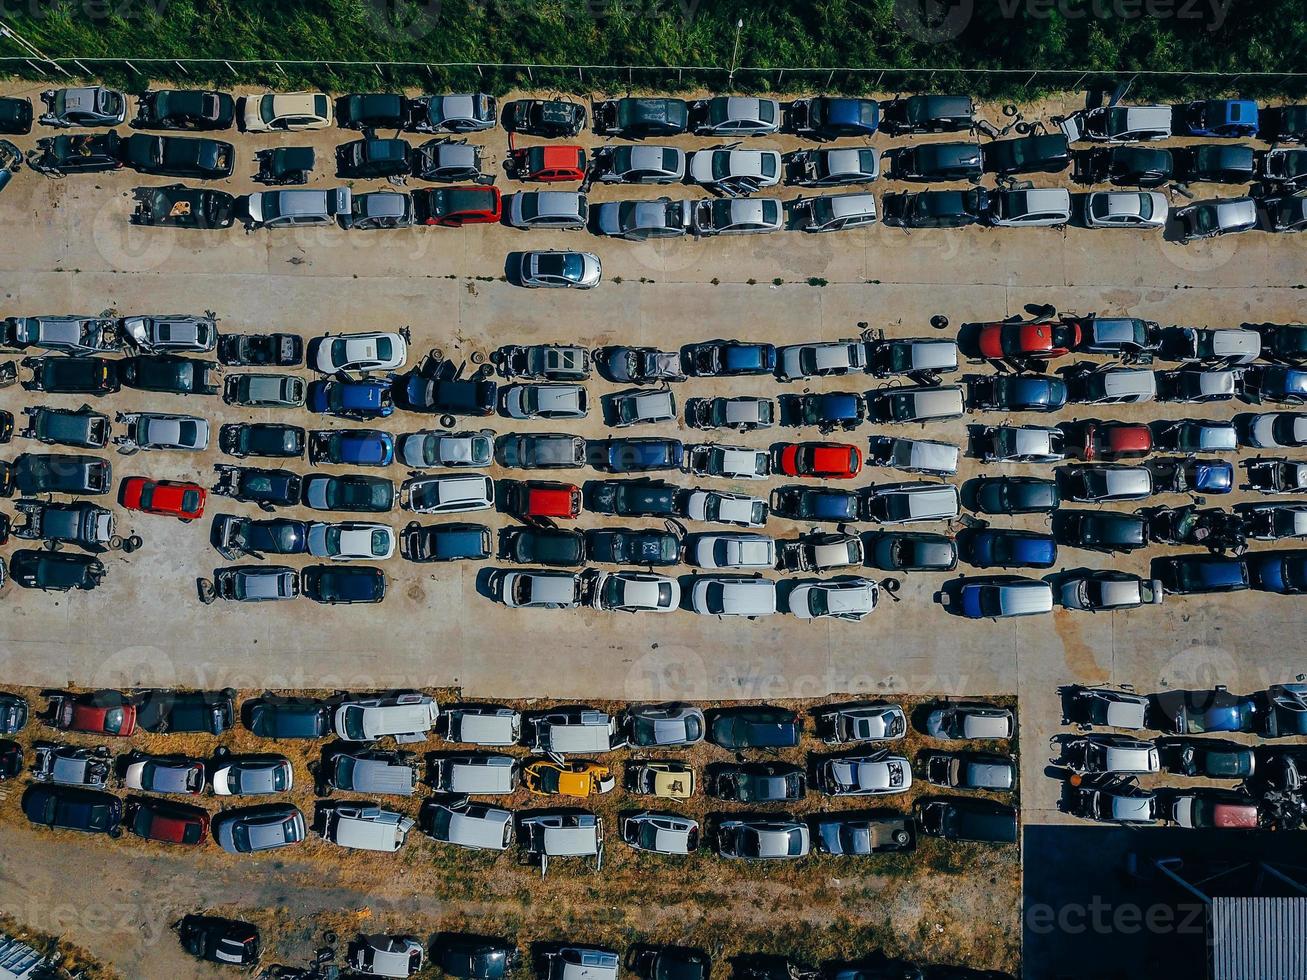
(1258, 938)
(18, 961)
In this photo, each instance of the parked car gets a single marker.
(968, 820)
(927, 114)
(939, 162)
(1001, 596)
(754, 726)
(219, 940)
(638, 164)
(1201, 574)
(445, 542)
(971, 770)
(777, 837)
(92, 105)
(255, 829)
(89, 811)
(635, 117)
(736, 216)
(863, 833)
(471, 112)
(198, 158)
(285, 111)
(726, 115)
(559, 270)
(1215, 217)
(756, 782)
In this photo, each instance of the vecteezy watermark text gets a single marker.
(1103, 918)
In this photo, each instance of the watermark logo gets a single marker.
(409, 20)
(933, 21)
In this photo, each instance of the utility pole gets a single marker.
(735, 53)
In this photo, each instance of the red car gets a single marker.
(170, 823)
(1113, 440)
(101, 713)
(548, 164)
(185, 501)
(543, 498)
(1038, 340)
(830, 460)
(454, 207)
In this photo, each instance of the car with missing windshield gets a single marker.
(969, 720)
(663, 725)
(876, 773)
(632, 546)
(971, 770)
(660, 833)
(935, 209)
(639, 221)
(243, 535)
(736, 216)
(1117, 123)
(91, 105)
(775, 837)
(71, 765)
(469, 112)
(218, 940)
(256, 583)
(862, 833)
(358, 826)
(756, 782)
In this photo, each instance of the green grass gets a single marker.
(998, 34)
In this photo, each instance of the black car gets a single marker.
(373, 158)
(927, 114)
(78, 427)
(1043, 154)
(635, 118)
(11, 759)
(1201, 574)
(179, 206)
(184, 109)
(544, 117)
(351, 492)
(1100, 530)
(939, 161)
(755, 782)
(72, 375)
(169, 374)
(450, 396)
(540, 450)
(1016, 495)
(343, 584)
(82, 524)
(377, 110)
(445, 542)
(632, 546)
(912, 551)
(760, 726)
(233, 536)
(14, 711)
(274, 717)
(635, 498)
(1130, 166)
(15, 115)
(266, 488)
(218, 940)
(177, 712)
(37, 473)
(73, 808)
(77, 153)
(964, 819)
(471, 957)
(562, 547)
(260, 349)
(275, 439)
(55, 571)
(1218, 163)
(179, 156)
(935, 209)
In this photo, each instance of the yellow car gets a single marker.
(670, 780)
(545, 777)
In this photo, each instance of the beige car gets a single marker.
(669, 780)
(285, 111)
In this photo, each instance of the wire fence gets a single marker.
(750, 77)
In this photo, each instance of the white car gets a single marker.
(537, 589)
(350, 540)
(152, 430)
(720, 507)
(728, 462)
(546, 401)
(875, 774)
(1038, 207)
(736, 171)
(252, 775)
(732, 550)
(171, 333)
(560, 270)
(431, 447)
(375, 351)
(448, 494)
(736, 216)
(1118, 124)
(852, 598)
(285, 111)
(635, 592)
(820, 360)
(1126, 209)
(725, 595)
(1276, 430)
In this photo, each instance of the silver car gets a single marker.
(729, 115)
(296, 208)
(559, 270)
(470, 112)
(640, 164)
(660, 833)
(175, 333)
(91, 105)
(251, 830)
(736, 216)
(476, 826)
(431, 447)
(547, 209)
(638, 221)
(663, 725)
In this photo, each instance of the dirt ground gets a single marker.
(943, 903)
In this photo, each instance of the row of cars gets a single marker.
(1103, 770)
(473, 957)
(69, 782)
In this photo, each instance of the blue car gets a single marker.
(827, 118)
(831, 409)
(729, 359)
(815, 504)
(642, 454)
(350, 399)
(1233, 118)
(1017, 393)
(1008, 548)
(1201, 574)
(1284, 572)
(1200, 712)
(1275, 383)
(1002, 597)
(1192, 474)
(361, 447)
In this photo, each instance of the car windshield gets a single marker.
(353, 724)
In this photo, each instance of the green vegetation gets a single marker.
(1062, 38)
